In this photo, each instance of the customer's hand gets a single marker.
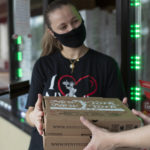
(145, 118)
(125, 101)
(37, 114)
(101, 138)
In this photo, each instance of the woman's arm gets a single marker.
(133, 138)
(104, 140)
(34, 115)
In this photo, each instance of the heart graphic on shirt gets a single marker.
(74, 82)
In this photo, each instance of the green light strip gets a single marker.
(135, 0)
(22, 120)
(19, 56)
(19, 72)
(135, 31)
(135, 62)
(19, 40)
(135, 36)
(135, 68)
(135, 26)
(135, 88)
(135, 3)
(135, 57)
(135, 93)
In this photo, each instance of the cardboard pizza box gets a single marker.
(70, 143)
(61, 115)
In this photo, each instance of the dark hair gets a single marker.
(49, 43)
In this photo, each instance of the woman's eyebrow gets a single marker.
(74, 18)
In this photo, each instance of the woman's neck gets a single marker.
(74, 53)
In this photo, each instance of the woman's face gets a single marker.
(64, 19)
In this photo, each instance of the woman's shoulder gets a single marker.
(103, 60)
(45, 62)
(47, 58)
(96, 55)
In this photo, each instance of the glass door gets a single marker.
(139, 53)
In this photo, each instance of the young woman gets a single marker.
(104, 140)
(67, 67)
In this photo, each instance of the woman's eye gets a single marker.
(63, 27)
(75, 21)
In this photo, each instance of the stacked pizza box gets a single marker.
(63, 129)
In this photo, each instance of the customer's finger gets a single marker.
(88, 124)
(141, 115)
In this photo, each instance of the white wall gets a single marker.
(4, 46)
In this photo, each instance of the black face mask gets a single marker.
(73, 38)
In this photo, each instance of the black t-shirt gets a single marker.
(94, 75)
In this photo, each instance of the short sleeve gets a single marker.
(37, 84)
(114, 87)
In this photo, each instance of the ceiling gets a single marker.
(36, 6)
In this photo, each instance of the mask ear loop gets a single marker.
(51, 30)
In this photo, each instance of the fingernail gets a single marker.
(82, 118)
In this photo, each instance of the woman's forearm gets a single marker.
(133, 138)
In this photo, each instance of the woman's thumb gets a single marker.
(38, 104)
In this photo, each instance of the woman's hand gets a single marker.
(145, 118)
(37, 114)
(101, 138)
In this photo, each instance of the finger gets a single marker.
(141, 115)
(135, 112)
(40, 127)
(40, 132)
(39, 119)
(88, 124)
(40, 113)
(38, 104)
(125, 101)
